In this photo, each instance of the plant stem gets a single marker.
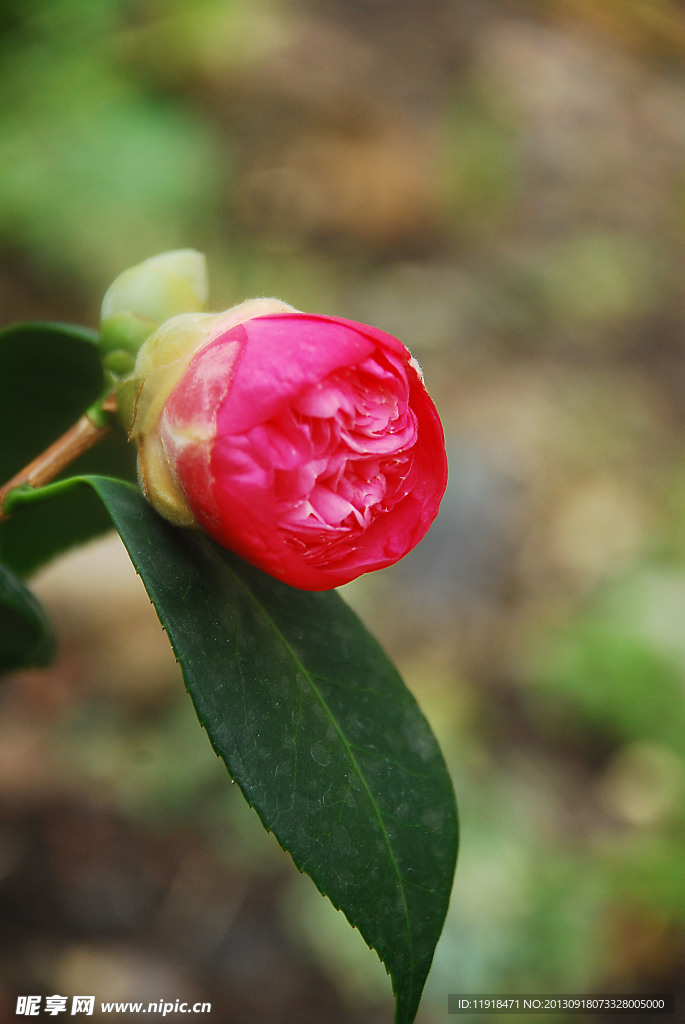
(84, 434)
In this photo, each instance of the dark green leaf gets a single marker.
(25, 635)
(49, 375)
(316, 727)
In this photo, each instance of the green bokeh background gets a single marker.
(500, 183)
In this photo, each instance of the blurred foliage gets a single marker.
(92, 158)
(501, 185)
(39, 354)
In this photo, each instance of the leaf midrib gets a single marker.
(348, 749)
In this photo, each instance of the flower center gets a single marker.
(342, 454)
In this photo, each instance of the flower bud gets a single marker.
(142, 298)
(306, 444)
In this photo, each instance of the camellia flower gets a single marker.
(306, 444)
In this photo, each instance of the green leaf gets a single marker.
(25, 635)
(49, 375)
(316, 727)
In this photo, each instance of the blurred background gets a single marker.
(501, 184)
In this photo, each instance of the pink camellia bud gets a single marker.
(306, 444)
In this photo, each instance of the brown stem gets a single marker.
(61, 453)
